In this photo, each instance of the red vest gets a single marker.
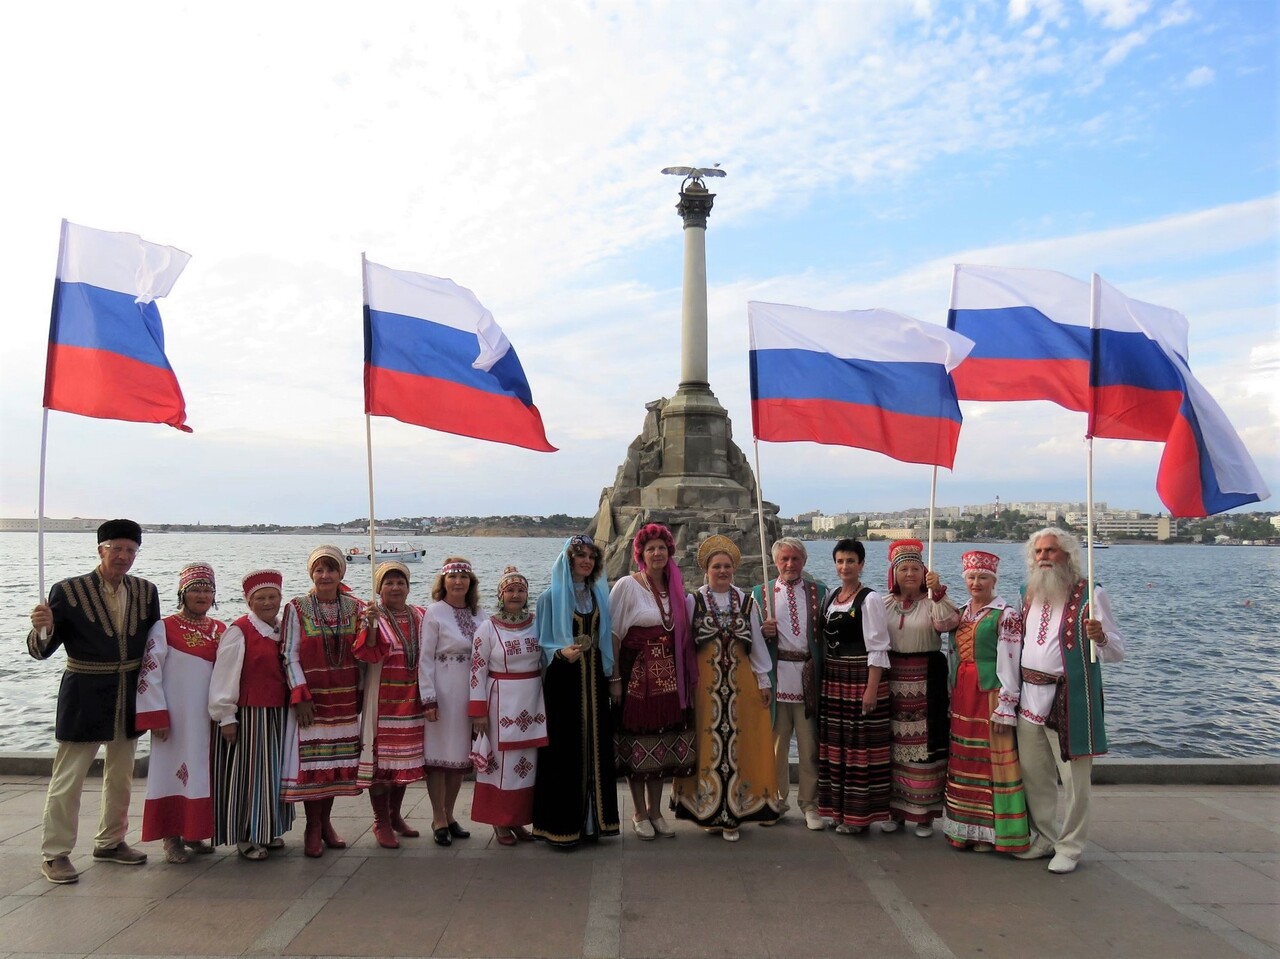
(262, 681)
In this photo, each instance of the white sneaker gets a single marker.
(1061, 864)
(813, 821)
(663, 828)
(924, 832)
(644, 829)
(730, 835)
(889, 825)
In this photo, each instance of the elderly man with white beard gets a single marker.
(1060, 721)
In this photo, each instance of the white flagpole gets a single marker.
(1095, 292)
(44, 429)
(933, 497)
(765, 591)
(368, 443)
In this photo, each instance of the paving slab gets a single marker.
(1170, 872)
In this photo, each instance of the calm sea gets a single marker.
(1202, 623)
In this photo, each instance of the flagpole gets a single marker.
(44, 425)
(933, 496)
(765, 591)
(1095, 291)
(368, 442)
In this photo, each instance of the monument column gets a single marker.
(694, 207)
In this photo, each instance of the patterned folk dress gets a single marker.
(652, 733)
(918, 704)
(173, 693)
(735, 780)
(985, 803)
(506, 687)
(853, 749)
(444, 678)
(392, 718)
(321, 760)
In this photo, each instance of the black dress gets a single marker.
(575, 795)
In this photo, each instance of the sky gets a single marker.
(516, 148)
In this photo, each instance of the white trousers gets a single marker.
(1042, 767)
(789, 718)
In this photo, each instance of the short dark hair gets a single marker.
(849, 545)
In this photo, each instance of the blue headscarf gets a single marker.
(555, 611)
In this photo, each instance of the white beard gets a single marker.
(1049, 585)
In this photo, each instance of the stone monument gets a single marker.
(684, 469)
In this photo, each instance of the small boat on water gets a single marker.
(400, 550)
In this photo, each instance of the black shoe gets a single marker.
(457, 832)
(442, 837)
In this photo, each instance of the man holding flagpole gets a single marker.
(101, 620)
(1060, 722)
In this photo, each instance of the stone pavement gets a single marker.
(1171, 872)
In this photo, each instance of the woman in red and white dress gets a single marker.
(392, 719)
(444, 677)
(173, 702)
(249, 700)
(507, 705)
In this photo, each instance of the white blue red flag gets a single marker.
(872, 379)
(1030, 330)
(106, 343)
(435, 357)
(1143, 389)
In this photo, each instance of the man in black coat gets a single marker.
(101, 620)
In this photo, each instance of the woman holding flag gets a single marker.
(917, 609)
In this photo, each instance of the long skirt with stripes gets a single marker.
(853, 750)
(985, 802)
(918, 717)
(246, 778)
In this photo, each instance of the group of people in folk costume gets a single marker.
(331, 696)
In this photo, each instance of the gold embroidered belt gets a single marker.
(86, 668)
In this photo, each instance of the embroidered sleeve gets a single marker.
(291, 638)
(427, 659)
(482, 648)
(152, 710)
(1009, 666)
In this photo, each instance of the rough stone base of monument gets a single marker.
(685, 471)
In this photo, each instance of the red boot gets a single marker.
(327, 832)
(397, 821)
(382, 831)
(312, 843)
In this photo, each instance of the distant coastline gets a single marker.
(480, 527)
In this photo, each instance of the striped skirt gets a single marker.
(984, 798)
(853, 750)
(918, 719)
(246, 779)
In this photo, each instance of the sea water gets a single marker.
(1201, 676)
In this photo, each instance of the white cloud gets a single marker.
(1116, 14)
(1199, 77)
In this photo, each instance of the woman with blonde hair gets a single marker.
(735, 781)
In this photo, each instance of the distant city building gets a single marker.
(825, 524)
(1113, 526)
(26, 524)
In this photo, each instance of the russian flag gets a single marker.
(1143, 389)
(1031, 335)
(435, 357)
(106, 343)
(872, 379)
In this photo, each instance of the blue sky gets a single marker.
(516, 147)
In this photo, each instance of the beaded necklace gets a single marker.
(665, 612)
(333, 648)
(197, 632)
(725, 620)
(408, 636)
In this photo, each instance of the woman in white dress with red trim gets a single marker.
(507, 705)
